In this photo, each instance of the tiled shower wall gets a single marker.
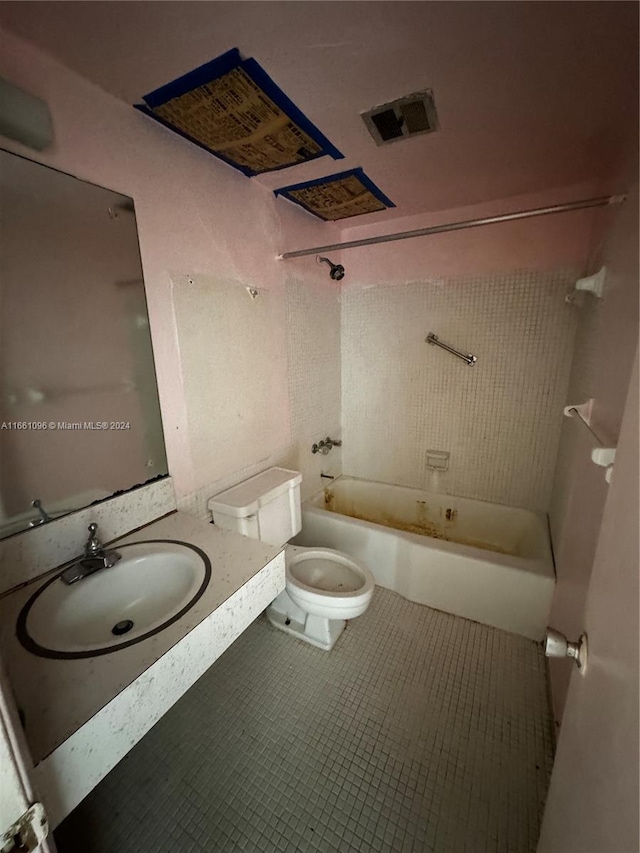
(500, 419)
(305, 316)
(313, 351)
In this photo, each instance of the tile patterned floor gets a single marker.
(420, 731)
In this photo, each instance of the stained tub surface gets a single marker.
(484, 561)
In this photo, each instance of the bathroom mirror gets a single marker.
(79, 412)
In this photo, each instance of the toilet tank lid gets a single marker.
(247, 497)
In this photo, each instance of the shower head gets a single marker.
(337, 270)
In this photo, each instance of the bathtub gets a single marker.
(484, 561)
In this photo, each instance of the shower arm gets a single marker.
(465, 356)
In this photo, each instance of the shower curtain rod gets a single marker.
(601, 201)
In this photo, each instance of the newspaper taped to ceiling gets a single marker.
(340, 196)
(233, 109)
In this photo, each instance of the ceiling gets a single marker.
(531, 96)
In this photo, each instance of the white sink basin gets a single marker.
(150, 587)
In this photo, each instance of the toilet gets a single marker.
(324, 588)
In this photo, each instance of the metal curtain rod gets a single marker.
(601, 201)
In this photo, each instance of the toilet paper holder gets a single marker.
(556, 645)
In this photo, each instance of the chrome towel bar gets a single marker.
(468, 357)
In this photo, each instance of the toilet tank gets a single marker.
(265, 507)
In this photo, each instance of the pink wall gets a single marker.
(592, 806)
(545, 243)
(606, 340)
(194, 215)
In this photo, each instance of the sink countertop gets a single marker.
(57, 697)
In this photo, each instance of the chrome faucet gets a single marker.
(43, 516)
(95, 558)
(325, 446)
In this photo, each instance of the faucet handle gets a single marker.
(93, 545)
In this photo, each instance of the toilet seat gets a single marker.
(328, 583)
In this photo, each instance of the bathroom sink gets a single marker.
(153, 585)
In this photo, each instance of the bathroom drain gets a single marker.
(122, 627)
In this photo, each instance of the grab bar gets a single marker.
(468, 357)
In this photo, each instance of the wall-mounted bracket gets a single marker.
(601, 455)
(583, 410)
(593, 284)
(604, 456)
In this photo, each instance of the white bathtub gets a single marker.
(484, 561)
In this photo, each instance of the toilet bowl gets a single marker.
(328, 583)
(324, 588)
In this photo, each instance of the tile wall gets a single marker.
(307, 316)
(500, 420)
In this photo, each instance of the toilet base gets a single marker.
(318, 631)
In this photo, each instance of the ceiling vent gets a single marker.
(410, 116)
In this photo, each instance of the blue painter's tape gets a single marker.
(373, 189)
(217, 68)
(286, 105)
(198, 77)
(358, 173)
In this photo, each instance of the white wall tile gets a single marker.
(312, 338)
(313, 345)
(499, 419)
(234, 363)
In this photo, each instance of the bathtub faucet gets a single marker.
(327, 476)
(325, 446)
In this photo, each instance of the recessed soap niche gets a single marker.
(437, 460)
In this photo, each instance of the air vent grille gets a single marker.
(409, 116)
(387, 124)
(415, 116)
